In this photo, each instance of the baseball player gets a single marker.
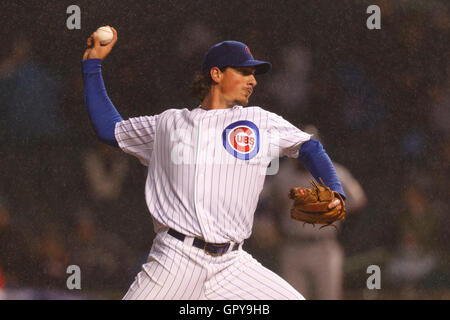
(206, 169)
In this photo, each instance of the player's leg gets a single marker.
(243, 278)
(169, 273)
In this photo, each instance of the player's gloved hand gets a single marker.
(317, 205)
(95, 50)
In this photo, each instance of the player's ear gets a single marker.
(216, 74)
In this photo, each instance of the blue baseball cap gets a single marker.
(233, 54)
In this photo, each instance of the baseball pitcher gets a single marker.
(206, 169)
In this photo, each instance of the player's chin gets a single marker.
(242, 101)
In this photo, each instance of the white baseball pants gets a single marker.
(177, 270)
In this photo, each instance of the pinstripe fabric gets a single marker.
(193, 184)
(200, 186)
(177, 270)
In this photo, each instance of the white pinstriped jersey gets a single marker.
(206, 168)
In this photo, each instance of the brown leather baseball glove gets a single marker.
(317, 205)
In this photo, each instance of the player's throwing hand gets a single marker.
(95, 50)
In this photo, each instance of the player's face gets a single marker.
(237, 85)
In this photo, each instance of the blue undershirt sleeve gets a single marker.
(102, 112)
(316, 160)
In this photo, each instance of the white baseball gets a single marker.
(105, 35)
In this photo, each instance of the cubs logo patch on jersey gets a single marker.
(241, 139)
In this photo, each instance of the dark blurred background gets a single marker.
(379, 98)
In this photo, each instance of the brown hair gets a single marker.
(201, 84)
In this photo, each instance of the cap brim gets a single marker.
(261, 66)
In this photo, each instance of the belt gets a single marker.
(213, 249)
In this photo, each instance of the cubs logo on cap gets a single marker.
(247, 49)
(241, 139)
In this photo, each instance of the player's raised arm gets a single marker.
(102, 112)
(97, 51)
